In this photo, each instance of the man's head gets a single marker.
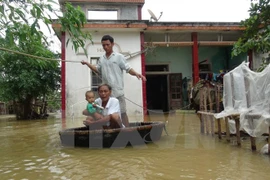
(107, 43)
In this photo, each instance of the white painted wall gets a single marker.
(124, 12)
(78, 78)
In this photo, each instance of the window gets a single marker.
(95, 78)
(100, 14)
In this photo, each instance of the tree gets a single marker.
(256, 35)
(23, 78)
(44, 12)
(54, 101)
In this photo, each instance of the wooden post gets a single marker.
(212, 125)
(205, 108)
(210, 107)
(209, 98)
(252, 139)
(253, 143)
(250, 119)
(201, 123)
(218, 99)
(237, 126)
(219, 128)
(227, 129)
(269, 141)
(201, 115)
(236, 118)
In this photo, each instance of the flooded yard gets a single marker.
(32, 150)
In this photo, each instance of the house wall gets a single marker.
(78, 78)
(180, 58)
(220, 58)
(129, 12)
(180, 61)
(216, 56)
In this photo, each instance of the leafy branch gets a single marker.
(14, 13)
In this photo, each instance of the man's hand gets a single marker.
(83, 62)
(134, 73)
(88, 122)
(92, 67)
(139, 76)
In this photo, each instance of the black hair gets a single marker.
(90, 91)
(109, 87)
(107, 37)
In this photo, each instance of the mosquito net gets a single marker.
(247, 93)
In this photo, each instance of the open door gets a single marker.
(157, 93)
(175, 91)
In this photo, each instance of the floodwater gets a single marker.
(32, 150)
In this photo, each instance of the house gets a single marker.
(176, 52)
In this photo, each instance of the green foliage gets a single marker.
(23, 76)
(37, 13)
(256, 35)
(72, 22)
(54, 101)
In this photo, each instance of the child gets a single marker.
(94, 110)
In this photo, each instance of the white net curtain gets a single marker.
(247, 93)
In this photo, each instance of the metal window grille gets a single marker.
(95, 78)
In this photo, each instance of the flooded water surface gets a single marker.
(32, 150)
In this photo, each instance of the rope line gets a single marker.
(37, 57)
(51, 59)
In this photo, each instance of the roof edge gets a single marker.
(104, 1)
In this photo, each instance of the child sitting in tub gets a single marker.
(94, 110)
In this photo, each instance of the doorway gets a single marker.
(157, 92)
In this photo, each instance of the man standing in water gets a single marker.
(111, 66)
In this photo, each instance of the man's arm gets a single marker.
(134, 73)
(124, 65)
(92, 67)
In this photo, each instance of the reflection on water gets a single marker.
(32, 150)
